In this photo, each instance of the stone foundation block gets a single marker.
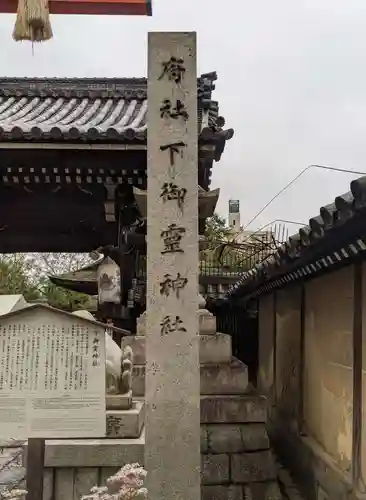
(119, 401)
(204, 439)
(126, 423)
(224, 378)
(235, 438)
(254, 437)
(233, 409)
(93, 452)
(207, 322)
(214, 349)
(219, 492)
(138, 380)
(215, 379)
(262, 491)
(224, 438)
(214, 469)
(253, 467)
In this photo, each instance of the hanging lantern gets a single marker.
(109, 282)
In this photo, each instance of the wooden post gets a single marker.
(35, 466)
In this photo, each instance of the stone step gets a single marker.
(233, 409)
(234, 438)
(213, 348)
(254, 491)
(126, 423)
(238, 468)
(228, 378)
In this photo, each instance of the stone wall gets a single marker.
(363, 433)
(288, 340)
(328, 363)
(306, 369)
(266, 345)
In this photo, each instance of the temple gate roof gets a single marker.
(92, 109)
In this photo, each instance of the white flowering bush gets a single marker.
(13, 494)
(126, 484)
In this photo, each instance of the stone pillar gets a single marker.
(172, 449)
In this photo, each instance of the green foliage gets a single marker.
(220, 252)
(15, 277)
(64, 299)
(27, 274)
(216, 229)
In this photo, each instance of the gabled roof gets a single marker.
(90, 109)
(49, 309)
(336, 235)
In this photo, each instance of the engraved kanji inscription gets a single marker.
(174, 148)
(170, 191)
(168, 110)
(172, 238)
(113, 425)
(171, 325)
(172, 284)
(96, 352)
(174, 69)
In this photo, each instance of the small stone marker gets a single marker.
(172, 449)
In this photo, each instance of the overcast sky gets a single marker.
(292, 84)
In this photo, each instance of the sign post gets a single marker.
(172, 449)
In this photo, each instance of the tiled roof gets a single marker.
(90, 109)
(336, 234)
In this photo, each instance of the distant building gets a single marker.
(236, 230)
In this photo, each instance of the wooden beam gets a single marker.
(89, 7)
(35, 466)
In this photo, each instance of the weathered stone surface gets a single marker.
(219, 492)
(235, 438)
(172, 448)
(233, 409)
(215, 469)
(252, 467)
(207, 322)
(126, 423)
(213, 348)
(224, 378)
(215, 379)
(141, 325)
(254, 437)
(138, 380)
(118, 401)
(224, 438)
(262, 491)
(94, 452)
(204, 440)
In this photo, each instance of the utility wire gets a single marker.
(294, 180)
